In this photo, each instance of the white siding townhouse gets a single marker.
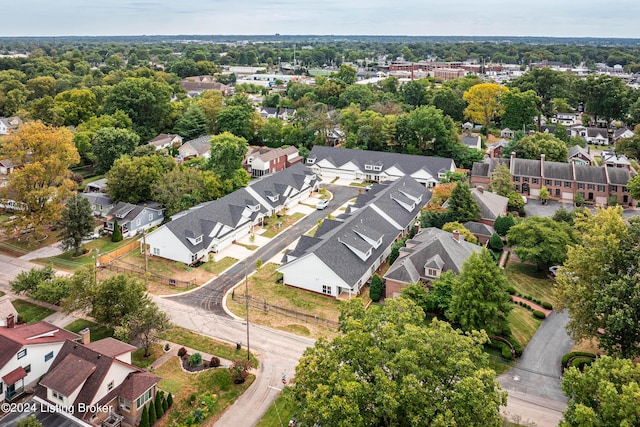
(345, 252)
(26, 353)
(212, 226)
(377, 166)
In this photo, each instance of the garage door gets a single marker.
(601, 200)
(567, 196)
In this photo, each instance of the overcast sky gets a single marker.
(555, 18)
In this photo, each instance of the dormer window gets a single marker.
(441, 175)
(198, 239)
(311, 161)
(368, 167)
(377, 168)
(254, 208)
(432, 272)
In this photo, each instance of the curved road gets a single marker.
(209, 296)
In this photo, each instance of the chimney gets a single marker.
(11, 321)
(542, 165)
(456, 235)
(588, 149)
(85, 336)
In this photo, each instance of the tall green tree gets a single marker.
(28, 281)
(501, 181)
(146, 324)
(74, 106)
(479, 298)
(340, 385)
(184, 187)
(77, 223)
(425, 130)
(461, 204)
(541, 240)
(520, 109)
(531, 147)
(447, 100)
(227, 154)
(193, 123)
(547, 83)
(118, 297)
(132, 180)
(238, 120)
(604, 395)
(110, 143)
(604, 96)
(146, 101)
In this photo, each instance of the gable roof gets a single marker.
(491, 204)
(110, 347)
(163, 139)
(577, 150)
(479, 228)
(101, 199)
(429, 242)
(407, 163)
(374, 222)
(200, 145)
(6, 308)
(266, 153)
(126, 212)
(69, 374)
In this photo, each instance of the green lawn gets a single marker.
(213, 389)
(523, 324)
(103, 244)
(98, 332)
(187, 338)
(527, 280)
(271, 224)
(138, 359)
(219, 266)
(283, 409)
(30, 313)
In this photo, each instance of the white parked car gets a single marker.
(322, 204)
(554, 269)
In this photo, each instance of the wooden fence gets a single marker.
(117, 253)
(263, 305)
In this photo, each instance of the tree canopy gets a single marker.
(360, 378)
(541, 240)
(77, 223)
(485, 103)
(462, 205)
(531, 147)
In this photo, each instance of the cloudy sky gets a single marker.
(572, 18)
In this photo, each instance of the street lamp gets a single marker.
(96, 265)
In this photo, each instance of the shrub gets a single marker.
(511, 290)
(152, 413)
(144, 420)
(503, 224)
(167, 347)
(505, 350)
(517, 348)
(182, 351)
(116, 236)
(568, 356)
(547, 305)
(215, 362)
(195, 359)
(192, 398)
(159, 408)
(376, 287)
(581, 362)
(495, 242)
(539, 315)
(169, 400)
(537, 301)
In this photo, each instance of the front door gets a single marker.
(15, 390)
(525, 188)
(590, 196)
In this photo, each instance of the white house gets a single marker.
(166, 140)
(26, 354)
(8, 124)
(99, 374)
(377, 166)
(210, 227)
(345, 252)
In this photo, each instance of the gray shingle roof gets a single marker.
(428, 243)
(595, 174)
(407, 163)
(491, 205)
(479, 229)
(557, 170)
(618, 176)
(526, 167)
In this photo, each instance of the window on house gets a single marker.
(557, 192)
(525, 179)
(156, 251)
(590, 186)
(138, 221)
(57, 395)
(600, 188)
(624, 189)
(1, 387)
(580, 186)
(368, 167)
(194, 257)
(143, 399)
(567, 184)
(613, 188)
(22, 353)
(311, 161)
(27, 368)
(150, 217)
(517, 187)
(110, 386)
(377, 168)
(124, 403)
(48, 356)
(432, 272)
(534, 180)
(198, 239)
(557, 183)
(516, 179)
(326, 289)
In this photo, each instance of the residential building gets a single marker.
(345, 252)
(377, 166)
(424, 258)
(622, 133)
(85, 376)
(581, 156)
(491, 205)
(483, 232)
(264, 160)
(166, 140)
(614, 160)
(26, 354)
(472, 141)
(507, 133)
(195, 85)
(593, 135)
(101, 203)
(567, 119)
(563, 180)
(199, 147)
(7, 167)
(7, 124)
(134, 219)
(97, 186)
(497, 149)
(210, 227)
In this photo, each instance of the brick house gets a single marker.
(264, 160)
(563, 180)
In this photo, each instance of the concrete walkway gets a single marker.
(533, 305)
(45, 252)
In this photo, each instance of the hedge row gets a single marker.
(568, 356)
(544, 304)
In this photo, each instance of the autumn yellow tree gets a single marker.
(42, 179)
(485, 103)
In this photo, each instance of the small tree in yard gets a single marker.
(152, 413)
(144, 419)
(147, 324)
(578, 199)
(170, 400)
(30, 421)
(503, 224)
(77, 223)
(495, 242)
(240, 370)
(195, 359)
(159, 408)
(376, 287)
(116, 236)
(544, 195)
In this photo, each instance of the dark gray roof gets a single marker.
(101, 199)
(526, 167)
(479, 229)
(201, 144)
(577, 150)
(428, 243)
(491, 205)
(407, 163)
(470, 141)
(374, 219)
(594, 174)
(618, 176)
(557, 170)
(486, 167)
(127, 212)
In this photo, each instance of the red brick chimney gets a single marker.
(85, 336)
(456, 235)
(11, 321)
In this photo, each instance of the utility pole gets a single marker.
(246, 306)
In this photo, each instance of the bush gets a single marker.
(539, 315)
(495, 242)
(192, 398)
(511, 290)
(581, 362)
(375, 288)
(568, 356)
(182, 351)
(505, 351)
(537, 301)
(116, 236)
(547, 305)
(195, 359)
(169, 400)
(167, 347)
(214, 362)
(517, 348)
(503, 224)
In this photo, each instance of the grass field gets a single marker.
(527, 280)
(138, 359)
(271, 224)
(523, 324)
(190, 339)
(97, 331)
(29, 312)
(283, 409)
(213, 389)
(217, 267)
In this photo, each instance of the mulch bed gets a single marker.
(203, 367)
